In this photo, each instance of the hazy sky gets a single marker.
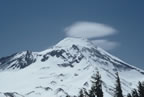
(37, 24)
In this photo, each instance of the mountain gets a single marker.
(63, 70)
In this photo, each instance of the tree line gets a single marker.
(96, 88)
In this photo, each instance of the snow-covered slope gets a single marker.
(63, 70)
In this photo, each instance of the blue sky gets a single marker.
(37, 24)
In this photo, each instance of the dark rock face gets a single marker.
(9, 94)
(6, 60)
(12, 94)
(69, 59)
(14, 62)
(45, 88)
(57, 53)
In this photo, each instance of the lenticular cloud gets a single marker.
(89, 30)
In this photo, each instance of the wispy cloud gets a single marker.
(93, 30)
(89, 30)
(106, 44)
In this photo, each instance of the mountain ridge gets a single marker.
(72, 59)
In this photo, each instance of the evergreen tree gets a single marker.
(81, 93)
(135, 93)
(96, 89)
(86, 93)
(141, 89)
(118, 90)
(129, 95)
(67, 96)
(92, 92)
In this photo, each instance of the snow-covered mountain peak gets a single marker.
(63, 70)
(69, 41)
